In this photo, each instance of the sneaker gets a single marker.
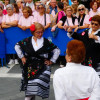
(16, 61)
(11, 62)
(61, 66)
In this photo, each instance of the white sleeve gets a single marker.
(95, 95)
(19, 51)
(58, 87)
(98, 41)
(56, 53)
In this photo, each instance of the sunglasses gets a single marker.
(40, 7)
(81, 9)
(94, 24)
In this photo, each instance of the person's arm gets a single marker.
(58, 87)
(22, 27)
(84, 26)
(20, 53)
(95, 93)
(4, 25)
(47, 26)
(13, 23)
(60, 25)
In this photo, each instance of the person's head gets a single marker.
(75, 51)
(81, 9)
(7, 2)
(37, 30)
(27, 11)
(60, 6)
(65, 5)
(9, 9)
(37, 3)
(69, 10)
(19, 3)
(65, 1)
(41, 8)
(53, 3)
(16, 10)
(25, 1)
(1, 11)
(1, 4)
(74, 6)
(29, 1)
(95, 22)
(75, 2)
(94, 5)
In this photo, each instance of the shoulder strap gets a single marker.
(73, 20)
(45, 19)
(82, 20)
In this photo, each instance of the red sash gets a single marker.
(84, 99)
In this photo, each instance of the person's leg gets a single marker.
(16, 59)
(11, 61)
(30, 98)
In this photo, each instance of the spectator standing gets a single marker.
(30, 4)
(94, 11)
(42, 17)
(53, 7)
(76, 81)
(6, 3)
(25, 21)
(1, 17)
(10, 20)
(83, 17)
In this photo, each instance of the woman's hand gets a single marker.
(76, 29)
(24, 28)
(92, 36)
(48, 62)
(65, 27)
(69, 29)
(53, 28)
(23, 60)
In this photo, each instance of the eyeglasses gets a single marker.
(40, 7)
(69, 10)
(39, 32)
(81, 9)
(94, 24)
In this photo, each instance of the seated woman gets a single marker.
(36, 62)
(68, 20)
(91, 40)
(83, 17)
(76, 81)
(25, 21)
(10, 20)
(42, 17)
(94, 11)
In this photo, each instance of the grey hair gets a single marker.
(9, 6)
(42, 5)
(1, 2)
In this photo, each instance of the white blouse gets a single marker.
(76, 81)
(37, 45)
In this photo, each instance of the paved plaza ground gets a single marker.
(10, 83)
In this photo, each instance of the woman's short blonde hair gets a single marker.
(69, 7)
(37, 27)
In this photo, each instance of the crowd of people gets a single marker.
(65, 14)
(51, 13)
